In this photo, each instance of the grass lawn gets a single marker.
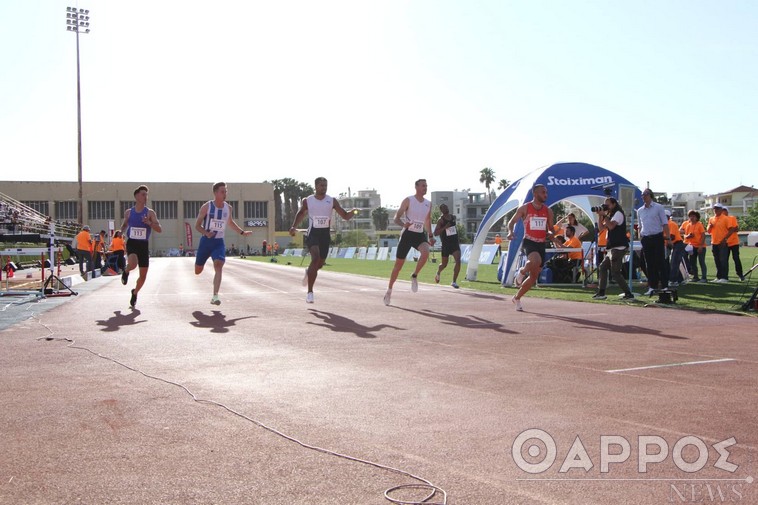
(694, 296)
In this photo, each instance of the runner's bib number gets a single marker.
(416, 227)
(217, 225)
(138, 233)
(537, 223)
(451, 231)
(321, 222)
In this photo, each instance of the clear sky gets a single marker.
(375, 94)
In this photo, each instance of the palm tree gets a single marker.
(487, 176)
(278, 190)
(503, 183)
(381, 218)
(290, 194)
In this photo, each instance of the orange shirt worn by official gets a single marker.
(718, 228)
(698, 233)
(84, 241)
(733, 239)
(674, 232)
(117, 244)
(574, 242)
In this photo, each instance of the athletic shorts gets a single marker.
(530, 246)
(142, 249)
(407, 240)
(320, 238)
(210, 248)
(449, 247)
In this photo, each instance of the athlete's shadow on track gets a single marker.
(629, 329)
(120, 319)
(216, 321)
(342, 324)
(462, 322)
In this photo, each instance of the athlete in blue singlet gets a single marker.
(139, 222)
(212, 220)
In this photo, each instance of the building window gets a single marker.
(123, 207)
(166, 209)
(40, 206)
(192, 208)
(256, 210)
(100, 209)
(66, 211)
(235, 212)
(471, 213)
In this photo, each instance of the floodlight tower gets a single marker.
(77, 21)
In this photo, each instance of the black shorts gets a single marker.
(141, 249)
(407, 240)
(450, 246)
(530, 246)
(321, 238)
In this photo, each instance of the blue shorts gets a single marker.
(210, 248)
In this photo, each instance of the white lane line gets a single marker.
(723, 360)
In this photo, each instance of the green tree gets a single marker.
(503, 183)
(278, 191)
(749, 222)
(381, 218)
(354, 238)
(487, 177)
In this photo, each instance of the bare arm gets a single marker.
(440, 226)
(299, 216)
(199, 221)
(342, 212)
(520, 214)
(233, 224)
(400, 213)
(125, 224)
(152, 221)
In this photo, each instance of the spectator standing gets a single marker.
(613, 222)
(718, 228)
(733, 243)
(118, 247)
(84, 249)
(498, 243)
(677, 252)
(693, 234)
(654, 231)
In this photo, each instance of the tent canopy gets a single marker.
(582, 184)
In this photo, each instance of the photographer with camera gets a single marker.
(611, 218)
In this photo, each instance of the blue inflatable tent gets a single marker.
(582, 184)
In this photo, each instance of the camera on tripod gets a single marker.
(600, 208)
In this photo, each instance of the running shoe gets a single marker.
(437, 278)
(305, 278)
(124, 277)
(650, 292)
(599, 296)
(519, 279)
(721, 281)
(414, 284)
(387, 297)
(517, 303)
(133, 299)
(309, 297)
(703, 280)
(627, 296)
(216, 300)
(455, 285)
